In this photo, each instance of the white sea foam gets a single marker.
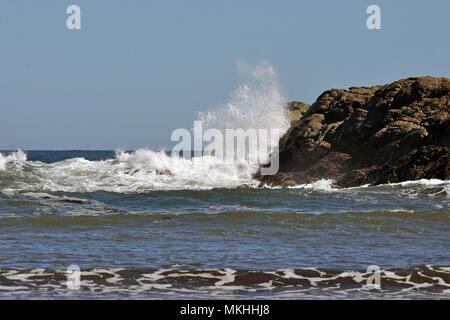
(419, 282)
(322, 184)
(139, 171)
(427, 182)
(328, 184)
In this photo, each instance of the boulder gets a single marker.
(369, 135)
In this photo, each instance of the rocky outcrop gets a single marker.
(369, 135)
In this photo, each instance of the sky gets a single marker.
(137, 70)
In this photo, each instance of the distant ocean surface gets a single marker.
(145, 225)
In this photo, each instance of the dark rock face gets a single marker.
(369, 135)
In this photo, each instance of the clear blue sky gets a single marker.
(139, 69)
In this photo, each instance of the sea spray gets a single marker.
(256, 105)
(19, 155)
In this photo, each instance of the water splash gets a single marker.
(256, 104)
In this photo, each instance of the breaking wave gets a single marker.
(145, 170)
(139, 171)
(257, 104)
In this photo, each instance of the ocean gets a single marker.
(143, 224)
